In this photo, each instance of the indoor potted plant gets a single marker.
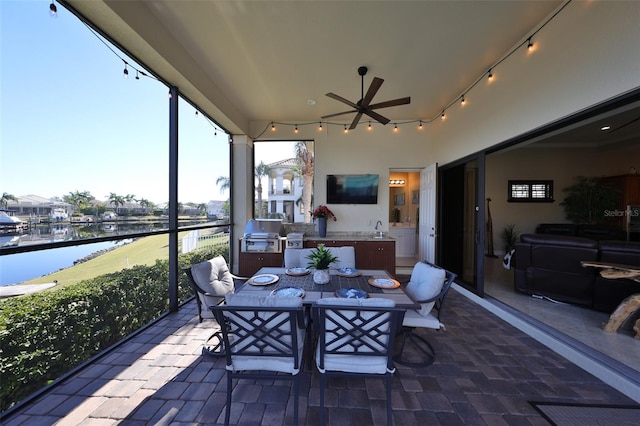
(321, 214)
(320, 259)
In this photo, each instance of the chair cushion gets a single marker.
(296, 258)
(272, 363)
(213, 276)
(354, 363)
(415, 319)
(426, 282)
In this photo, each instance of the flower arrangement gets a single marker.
(323, 212)
(321, 257)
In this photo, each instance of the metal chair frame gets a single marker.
(420, 343)
(261, 332)
(356, 333)
(213, 345)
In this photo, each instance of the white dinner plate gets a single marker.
(297, 272)
(349, 272)
(288, 292)
(384, 282)
(263, 279)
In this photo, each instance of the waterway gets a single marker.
(20, 267)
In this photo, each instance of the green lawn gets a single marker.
(143, 251)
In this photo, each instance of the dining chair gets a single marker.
(211, 281)
(429, 285)
(355, 338)
(264, 338)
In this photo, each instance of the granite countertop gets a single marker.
(350, 236)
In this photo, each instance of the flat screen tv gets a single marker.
(352, 189)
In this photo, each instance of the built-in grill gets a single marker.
(295, 240)
(263, 235)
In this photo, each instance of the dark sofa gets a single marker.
(594, 232)
(549, 265)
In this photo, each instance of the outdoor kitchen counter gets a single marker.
(371, 252)
(347, 237)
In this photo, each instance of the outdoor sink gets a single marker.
(379, 235)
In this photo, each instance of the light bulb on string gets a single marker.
(345, 129)
(463, 101)
(138, 76)
(53, 10)
(320, 126)
(273, 127)
(395, 127)
(420, 125)
(529, 45)
(125, 73)
(296, 129)
(369, 127)
(442, 116)
(490, 76)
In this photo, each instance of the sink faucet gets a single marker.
(378, 223)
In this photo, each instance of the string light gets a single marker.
(531, 46)
(273, 127)
(53, 10)
(126, 71)
(320, 126)
(137, 75)
(296, 129)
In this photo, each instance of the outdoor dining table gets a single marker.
(313, 292)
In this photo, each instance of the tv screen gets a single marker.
(352, 189)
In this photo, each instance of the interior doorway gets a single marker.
(404, 213)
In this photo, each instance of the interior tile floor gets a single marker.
(582, 324)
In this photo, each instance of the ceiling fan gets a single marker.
(364, 106)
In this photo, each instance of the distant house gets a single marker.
(36, 206)
(215, 210)
(285, 191)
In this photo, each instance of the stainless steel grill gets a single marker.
(263, 235)
(295, 240)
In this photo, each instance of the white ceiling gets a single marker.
(242, 61)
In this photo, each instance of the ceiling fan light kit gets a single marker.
(364, 105)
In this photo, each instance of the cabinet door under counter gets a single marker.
(405, 240)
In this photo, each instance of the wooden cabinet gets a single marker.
(370, 254)
(250, 263)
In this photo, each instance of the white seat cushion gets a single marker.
(296, 258)
(414, 319)
(212, 277)
(353, 363)
(346, 257)
(273, 363)
(425, 283)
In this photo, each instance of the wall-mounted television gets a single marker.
(352, 189)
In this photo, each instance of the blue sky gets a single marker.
(71, 122)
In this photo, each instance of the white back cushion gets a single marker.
(297, 258)
(213, 276)
(426, 282)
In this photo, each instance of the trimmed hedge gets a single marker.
(47, 334)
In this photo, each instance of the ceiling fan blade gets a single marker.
(355, 121)
(379, 118)
(371, 92)
(395, 102)
(339, 113)
(343, 100)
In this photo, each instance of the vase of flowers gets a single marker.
(321, 215)
(320, 259)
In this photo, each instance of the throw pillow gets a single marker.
(213, 276)
(426, 282)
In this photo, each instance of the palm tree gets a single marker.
(224, 183)
(4, 201)
(202, 208)
(146, 204)
(116, 200)
(306, 163)
(79, 200)
(261, 171)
